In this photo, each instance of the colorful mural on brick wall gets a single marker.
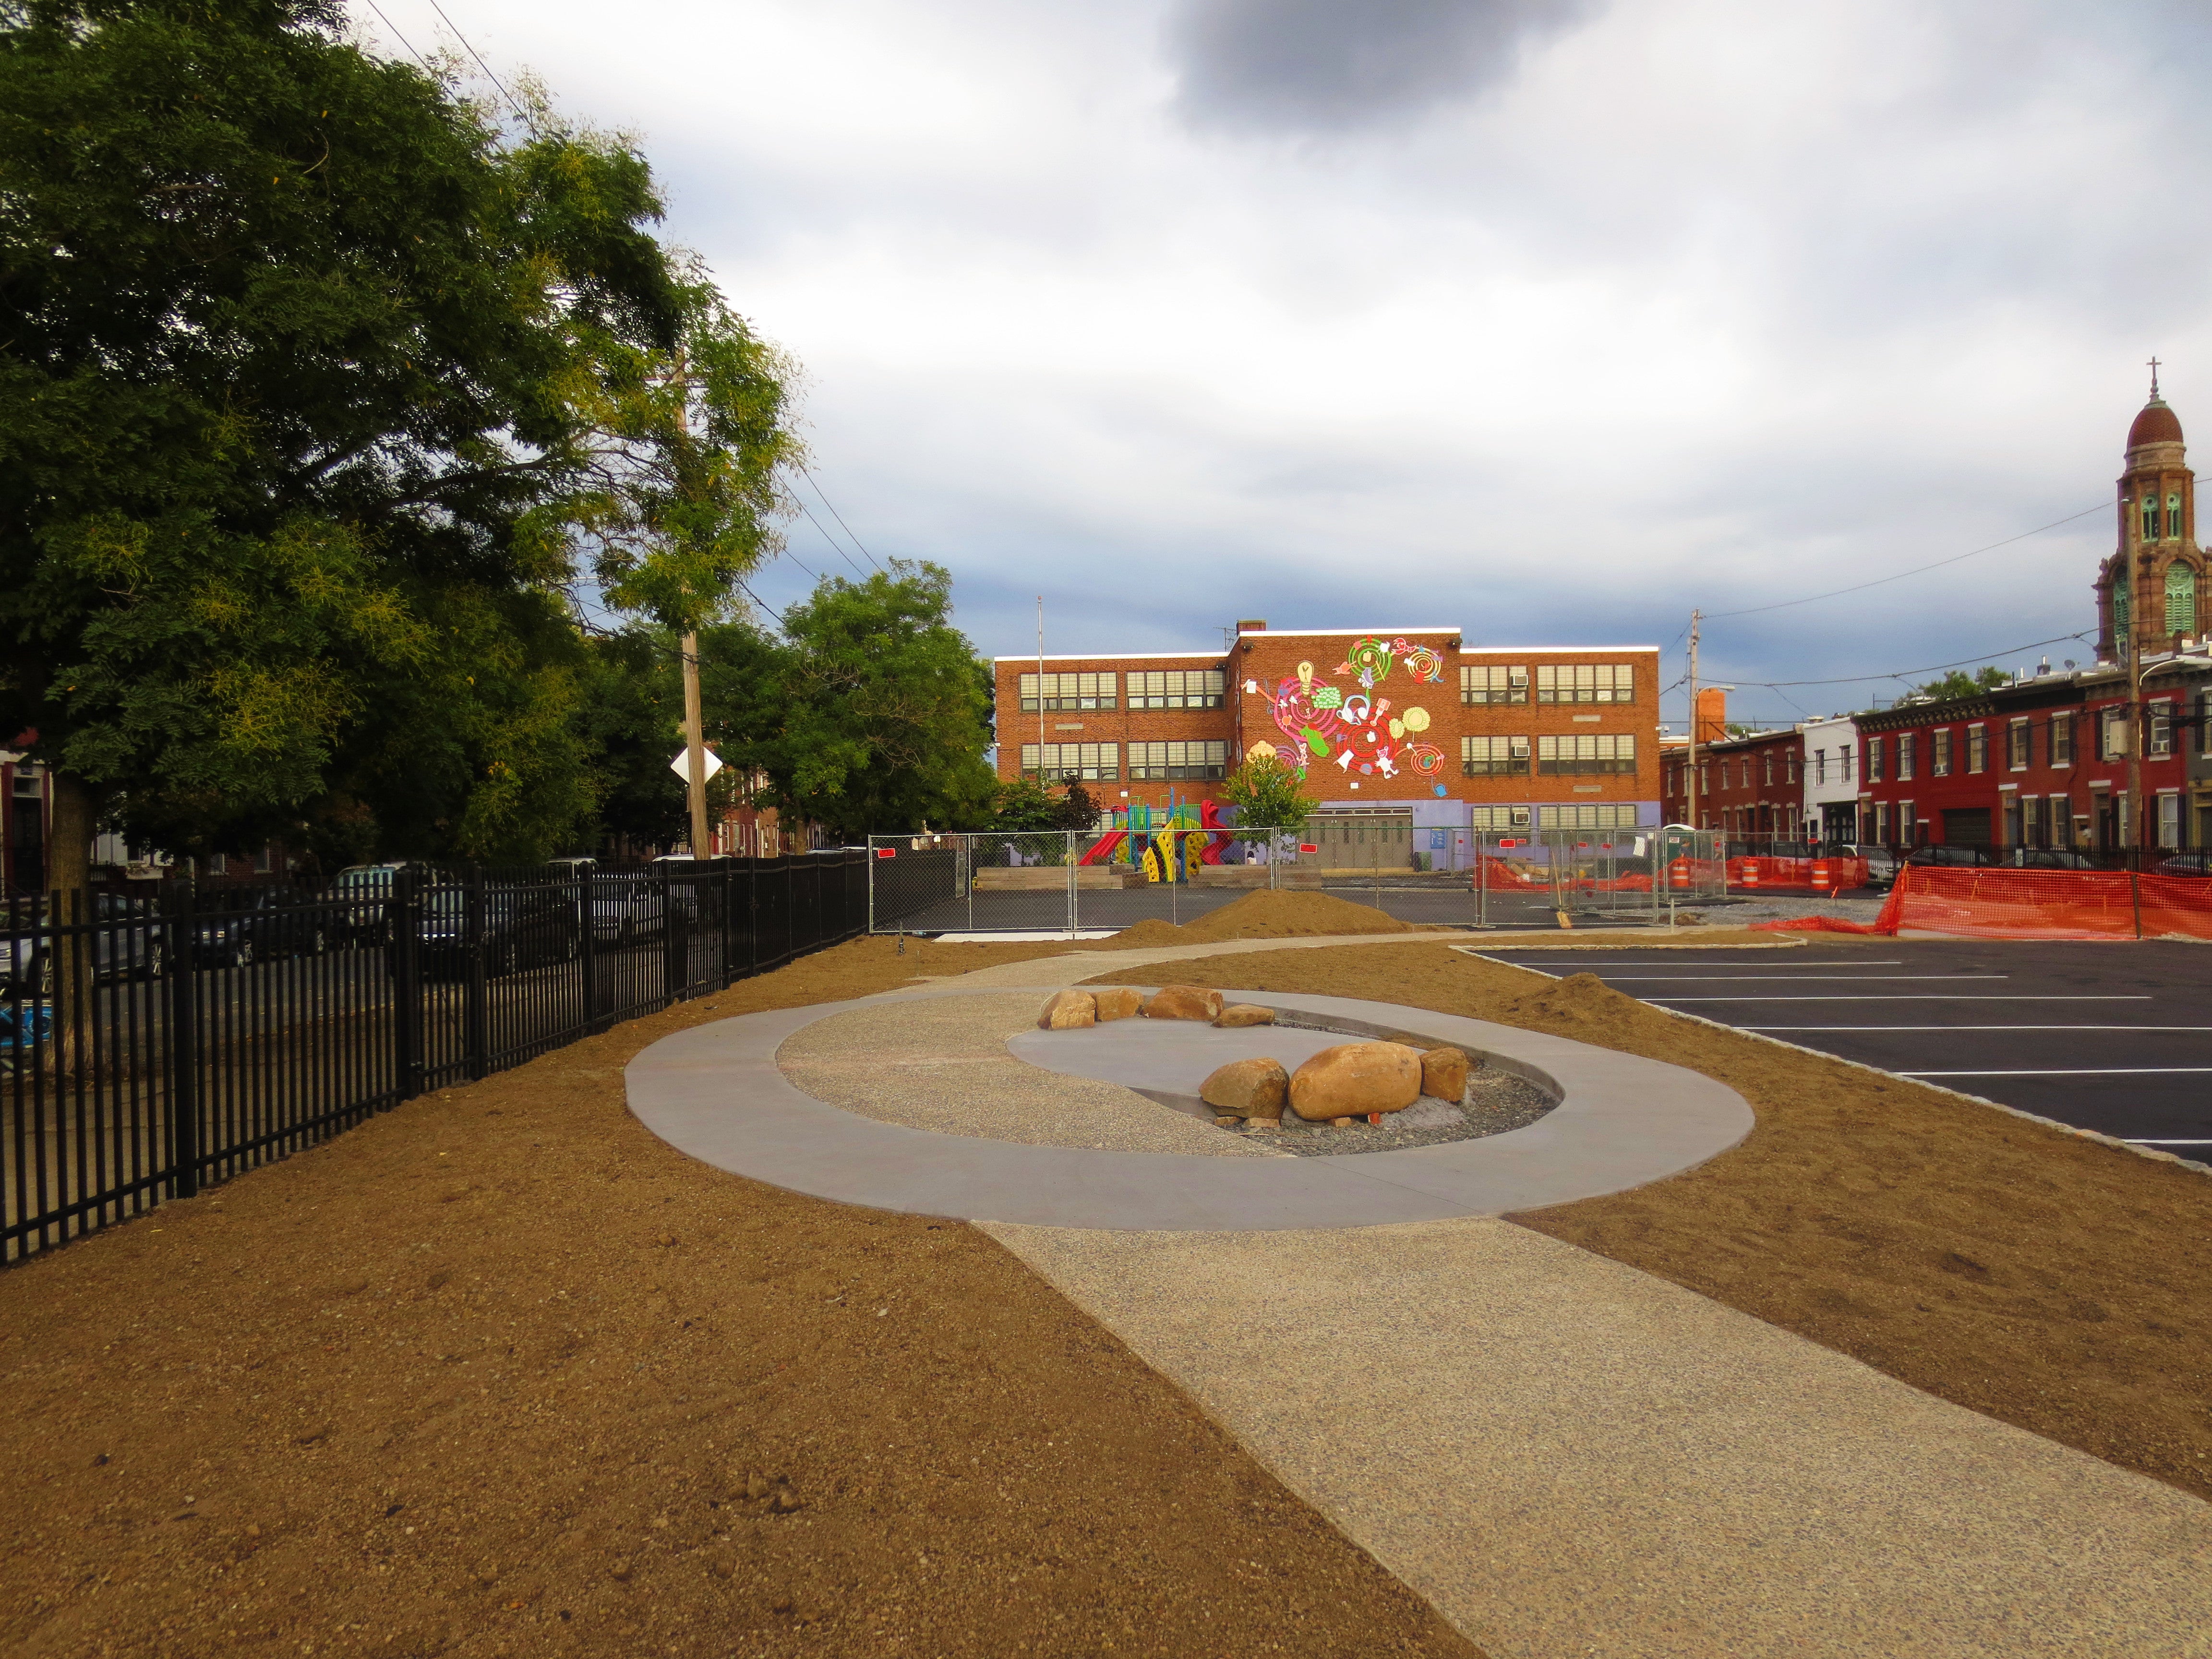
(1356, 731)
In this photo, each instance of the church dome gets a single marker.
(2156, 424)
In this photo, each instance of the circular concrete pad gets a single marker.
(716, 1092)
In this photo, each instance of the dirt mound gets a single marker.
(1579, 997)
(1267, 914)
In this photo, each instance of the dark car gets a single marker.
(363, 889)
(1956, 858)
(259, 924)
(2184, 864)
(522, 927)
(2045, 857)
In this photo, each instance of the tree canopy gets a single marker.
(309, 372)
(1959, 683)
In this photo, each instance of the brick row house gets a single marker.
(1413, 723)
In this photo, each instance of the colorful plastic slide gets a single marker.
(1209, 816)
(1108, 844)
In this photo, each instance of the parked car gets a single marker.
(2049, 858)
(2186, 864)
(365, 889)
(626, 907)
(24, 965)
(126, 940)
(259, 924)
(523, 927)
(1880, 861)
(1956, 858)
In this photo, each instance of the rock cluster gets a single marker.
(1069, 1011)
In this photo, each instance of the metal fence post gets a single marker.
(1074, 908)
(675, 939)
(476, 1025)
(588, 945)
(402, 936)
(184, 1044)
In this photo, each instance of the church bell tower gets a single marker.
(2155, 581)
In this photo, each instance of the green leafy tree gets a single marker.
(1266, 793)
(1959, 683)
(868, 715)
(301, 364)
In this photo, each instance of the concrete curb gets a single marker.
(715, 1092)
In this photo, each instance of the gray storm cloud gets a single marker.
(1305, 65)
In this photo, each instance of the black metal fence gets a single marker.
(154, 1045)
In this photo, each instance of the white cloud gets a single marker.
(1641, 306)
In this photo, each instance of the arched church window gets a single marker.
(2180, 598)
(2150, 518)
(2120, 614)
(2172, 517)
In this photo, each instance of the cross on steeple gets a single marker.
(2154, 377)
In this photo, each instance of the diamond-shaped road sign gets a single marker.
(682, 764)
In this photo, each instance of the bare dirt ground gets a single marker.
(2060, 1284)
(501, 1374)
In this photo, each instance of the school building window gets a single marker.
(1177, 687)
(1586, 681)
(1498, 817)
(1067, 692)
(1490, 685)
(1167, 762)
(1093, 762)
(1588, 753)
(1493, 757)
(1589, 815)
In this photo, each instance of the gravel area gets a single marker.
(1736, 913)
(942, 1065)
(1495, 1103)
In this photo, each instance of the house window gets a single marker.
(1908, 827)
(1819, 766)
(2180, 598)
(1978, 749)
(2061, 740)
(1093, 762)
(1907, 745)
(2032, 830)
(1165, 761)
(1705, 774)
(1844, 759)
(1493, 685)
(1493, 757)
(1067, 692)
(1177, 687)
(2061, 810)
(1939, 754)
(1873, 767)
(2169, 822)
(2020, 747)
(1586, 681)
(2162, 729)
(2015, 823)
(1790, 763)
(1881, 823)
(1586, 753)
(264, 861)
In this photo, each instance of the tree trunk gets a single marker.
(68, 854)
(69, 875)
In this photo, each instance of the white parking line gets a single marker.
(1770, 979)
(1585, 962)
(1900, 996)
(1974, 1028)
(2108, 1070)
(2140, 1140)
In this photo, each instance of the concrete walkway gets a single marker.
(1569, 1457)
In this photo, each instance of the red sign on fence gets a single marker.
(887, 852)
(1308, 846)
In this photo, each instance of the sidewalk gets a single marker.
(1568, 1457)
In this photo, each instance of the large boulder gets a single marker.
(1355, 1079)
(1243, 1013)
(1182, 1002)
(1249, 1088)
(1444, 1074)
(1118, 1002)
(1069, 1011)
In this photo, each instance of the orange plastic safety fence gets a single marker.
(1498, 874)
(2058, 904)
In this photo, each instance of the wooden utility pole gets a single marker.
(1690, 777)
(694, 749)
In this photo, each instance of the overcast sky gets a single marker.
(1548, 319)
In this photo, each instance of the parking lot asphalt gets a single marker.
(2117, 1038)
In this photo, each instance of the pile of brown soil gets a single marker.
(1266, 914)
(500, 1373)
(2056, 1282)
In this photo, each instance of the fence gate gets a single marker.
(1624, 875)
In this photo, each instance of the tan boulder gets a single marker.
(1118, 1002)
(1243, 1013)
(1069, 1011)
(1249, 1088)
(1355, 1079)
(1182, 1002)
(1444, 1073)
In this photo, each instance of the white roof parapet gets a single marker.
(1530, 650)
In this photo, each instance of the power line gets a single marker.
(1860, 679)
(486, 67)
(839, 517)
(402, 38)
(832, 540)
(1784, 605)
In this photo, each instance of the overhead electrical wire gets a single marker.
(511, 102)
(839, 517)
(832, 540)
(1898, 674)
(1860, 587)
(402, 38)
